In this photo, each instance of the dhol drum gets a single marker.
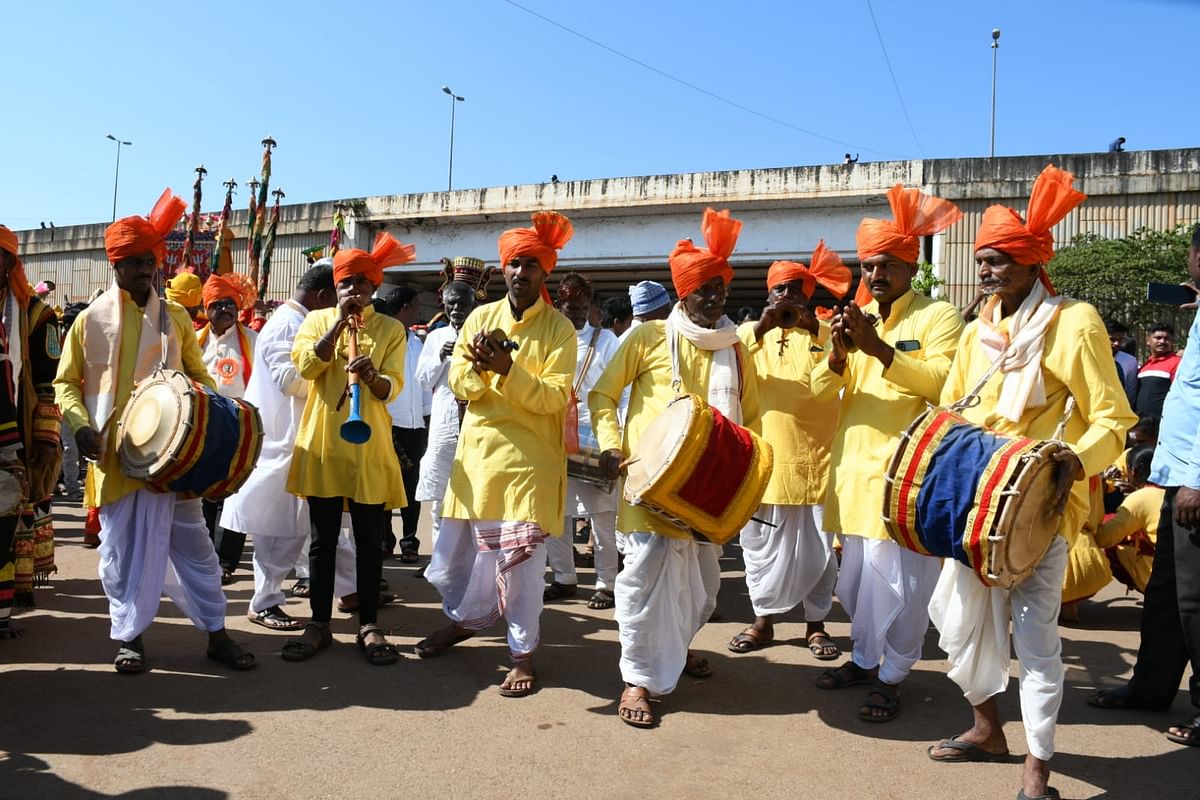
(585, 465)
(957, 490)
(698, 470)
(179, 436)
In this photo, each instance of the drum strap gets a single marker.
(587, 363)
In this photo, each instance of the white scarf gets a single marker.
(1021, 349)
(724, 378)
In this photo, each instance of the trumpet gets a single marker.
(788, 317)
(355, 430)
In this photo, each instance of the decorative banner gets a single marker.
(200, 255)
(222, 254)
(258, 217)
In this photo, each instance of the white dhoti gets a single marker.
(885, 589)
(586, 501)
(345, 575)
(973, 621)
(486, 569)
(665, 593)
(140, 536)
(790, 563)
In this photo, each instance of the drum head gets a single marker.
(658, 446)
(154, 423)
(1028, 523)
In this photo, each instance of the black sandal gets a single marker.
(300, 649)
(275, 619)
(300, 588)
(230, 653)
(890, 705)
(558, 591)
(131, 657)
(380, 653)
(602, 599)
(1192, 737)
(845, 676)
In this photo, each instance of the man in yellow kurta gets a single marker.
(335, 474)
(1129, 536)
(789, 557)
(1049, 349)
(903, 343)
(668, 587)
(114, 343)
(513, 364)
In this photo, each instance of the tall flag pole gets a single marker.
(260, 217)
(194, 223)
(269, 247)
(224, 234)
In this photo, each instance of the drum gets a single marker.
(585, 466)
(698, 470)
(957, 490)
(179, 436)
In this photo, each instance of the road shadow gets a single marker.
(23, 777)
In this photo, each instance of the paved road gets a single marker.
(337, 727)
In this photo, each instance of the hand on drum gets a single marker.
(610, 463)
(88, 442)
(488, 355)
(1187, 508)
(1070, 469)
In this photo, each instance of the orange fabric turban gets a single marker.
(132, 236)
(827, 269)
(386, 252)
(916, 214)
(550, 232)
(1030, 242)
(234, 286)
(692, 267)
(16, 276)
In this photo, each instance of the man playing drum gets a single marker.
(594, 349)
(116, 341)
(513, 364)
(789, 557)
(896, 365)
(1049, 349)
(668, 587)
(263, 507)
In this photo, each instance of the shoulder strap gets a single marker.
(587, 361)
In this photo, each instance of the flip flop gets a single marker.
(426, 649)
(964, 752)
(1192, 737)
(528, 690)
(1051, 794)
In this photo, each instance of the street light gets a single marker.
(117, 176)
(454, 100)
(995, 48)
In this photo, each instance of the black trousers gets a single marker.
(368, 523)
(1170, 616)
(410, 444)
(230, 545)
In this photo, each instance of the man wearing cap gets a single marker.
(650, 302)
(1048, 349)
(263, 507)
(509, 475)
(227, 349)
(903, 343)
(789, 557)
(335, 474)
(115, 342)
(29, 433)
(668, 587)
(594, 349)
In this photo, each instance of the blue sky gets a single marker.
(352, 91)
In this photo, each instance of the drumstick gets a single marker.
(627, 462)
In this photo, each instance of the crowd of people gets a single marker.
(479, 414)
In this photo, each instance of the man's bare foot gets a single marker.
(1035, 777)
(634, 708)
(519, 681)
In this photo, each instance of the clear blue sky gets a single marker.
(352, 91)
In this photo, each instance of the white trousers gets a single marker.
(973, 620)
(560, 551)
(345, 576)
(665, 593)
(480, 586)
(140, 536)
(885, 589)
(435, 521)
(791, 563)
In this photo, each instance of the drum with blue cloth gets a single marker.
(958, 490)
(180, 436)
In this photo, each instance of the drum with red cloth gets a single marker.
(958, 490)
(698, 470)
(180, 436)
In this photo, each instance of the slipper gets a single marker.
(848, 674)
(300, 649)
(964, 752)
(1192, 737)
(819, 644)
(525, 692)
(631, 698)
(384, 600)
(558, 591)
(275, 618)
(1120, 698)
(601, 600)
(380, 653)
(426, 648)
(890, 705)
(230, 653)
(131, 657)
(697, 666)
(300, 588)
(1051, 794)
(749, 639)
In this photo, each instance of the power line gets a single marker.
(696, 88)
(895, 83)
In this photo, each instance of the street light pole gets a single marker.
(995, 49)
(454, 100)
(117, 176)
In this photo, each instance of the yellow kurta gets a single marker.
(511, 463)
(106, 482)
(799, 427)
(644, 361)
(324, 464)
(1138, 514)
(878, 405)
(1077, 361)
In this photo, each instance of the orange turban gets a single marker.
(550, 232)
(692, 267)
(827, 269)
(132, 236)
(386, 252)
(1031, 242)
(234, 286)
(16, 276)
(916, 214)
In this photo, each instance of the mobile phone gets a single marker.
(1169, 294)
